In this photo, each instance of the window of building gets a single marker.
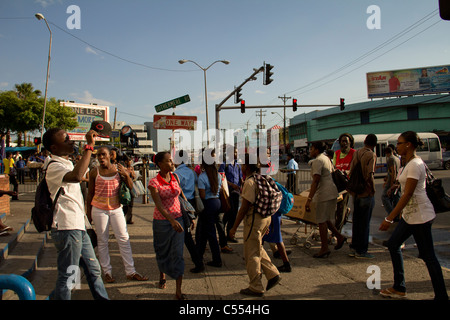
(365, 117)
(413, 113)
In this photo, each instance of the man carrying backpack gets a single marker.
(255, 227)
(68, 229)
(364, 201)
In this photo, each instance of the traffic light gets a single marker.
(37, 141)
(342, 104)
(294, 105)
(237, 96)
(268, 74)
(444, 9)
(242, 106)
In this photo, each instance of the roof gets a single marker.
(387, 103)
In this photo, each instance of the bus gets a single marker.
(430, 152)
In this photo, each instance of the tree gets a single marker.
(22, 111)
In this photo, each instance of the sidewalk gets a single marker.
(338, 277)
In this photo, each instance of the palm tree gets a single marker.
(25, 91)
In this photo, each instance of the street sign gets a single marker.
(174, 122)
(172, 103)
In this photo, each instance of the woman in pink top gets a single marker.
(168, 223)
(104, 208)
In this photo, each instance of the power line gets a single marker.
(101, 50)
(387, 42)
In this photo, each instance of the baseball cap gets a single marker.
(103, 128)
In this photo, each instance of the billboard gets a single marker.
(86, 114)
(426, 80)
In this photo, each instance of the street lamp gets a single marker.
(39, 16)
(206, 94)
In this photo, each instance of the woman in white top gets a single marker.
(324, 193)
(417, 216)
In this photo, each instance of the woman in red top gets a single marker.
(168, 225)
(104, 208)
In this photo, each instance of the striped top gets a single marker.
(106, 195)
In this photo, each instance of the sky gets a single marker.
(125, 53)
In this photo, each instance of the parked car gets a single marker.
(446, 160)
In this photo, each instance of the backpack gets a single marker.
(356, 183)
(269, 197)
(42, 212)
(287, 201)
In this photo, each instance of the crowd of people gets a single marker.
(207, 188)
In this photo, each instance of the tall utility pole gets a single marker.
(260, 126)
(284, 98)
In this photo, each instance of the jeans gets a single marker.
(423, 237)
(389, 202)
(362, 214)
(230, 216)
(75, 249)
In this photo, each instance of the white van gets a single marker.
(430, 152)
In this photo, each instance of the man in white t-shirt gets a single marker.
(68, 229)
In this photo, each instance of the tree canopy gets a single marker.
(22, 109)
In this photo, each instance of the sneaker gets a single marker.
(285, 267)
(273, 282)
(392, 293)
(352, 253)
(364, 256)
(249, 292)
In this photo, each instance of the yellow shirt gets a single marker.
(8, 164)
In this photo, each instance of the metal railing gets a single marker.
(19, 285)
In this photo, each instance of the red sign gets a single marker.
(174, 122)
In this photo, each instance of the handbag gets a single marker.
(138, 189)
(436, 193)
(187, 208)
(124, 194)
(198, 201)
(340, 180)
(224, 196)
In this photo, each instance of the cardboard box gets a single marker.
(298, 210)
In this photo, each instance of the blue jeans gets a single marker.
(75, 250)
(424, 240)
(362, 214)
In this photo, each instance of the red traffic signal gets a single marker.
(37, 140)
(342, 104)
(242, 106)
(294, 105)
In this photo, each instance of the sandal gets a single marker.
(162, 283)
(392, 293)
(109, 278)
(136, 276)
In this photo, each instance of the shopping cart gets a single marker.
(307, 219)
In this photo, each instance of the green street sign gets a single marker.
(172, 103)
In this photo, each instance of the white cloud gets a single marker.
(217, 95)
(4, 84)
(259, 92)
(46, 3)
(87, 97)
(90, 50)
(190, 111)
